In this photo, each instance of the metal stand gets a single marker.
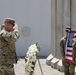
(40, 66)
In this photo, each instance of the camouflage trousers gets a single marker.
(7, 69)
(69, 68)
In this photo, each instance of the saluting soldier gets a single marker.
(8, 36)
(69, 68)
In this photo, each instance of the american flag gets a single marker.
(69, 46)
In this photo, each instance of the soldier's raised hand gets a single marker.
(16, 26)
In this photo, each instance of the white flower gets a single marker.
(32, 50)
(31, 54)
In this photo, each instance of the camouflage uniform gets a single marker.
(69, 68)
(74, 51)
(7, 51)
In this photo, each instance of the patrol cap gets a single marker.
(10, 21)
(68, 29)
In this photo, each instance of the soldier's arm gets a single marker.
(10, 37)
(62, 48)
(74, 50)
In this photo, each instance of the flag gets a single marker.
(69, 46)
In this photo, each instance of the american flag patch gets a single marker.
(69, 46)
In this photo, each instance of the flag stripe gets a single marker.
(74, 34)
(70, 61)
(68, 55)
(69, 50)
(74, 37)
(70, 58)
(74, 31)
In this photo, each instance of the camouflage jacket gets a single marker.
(74, 51)
(63, 45)
(7, 46)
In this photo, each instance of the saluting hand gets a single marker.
(16, 26)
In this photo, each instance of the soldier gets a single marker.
(69, 68)
(8, 36)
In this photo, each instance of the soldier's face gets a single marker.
(67, 33)
(8, 26)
